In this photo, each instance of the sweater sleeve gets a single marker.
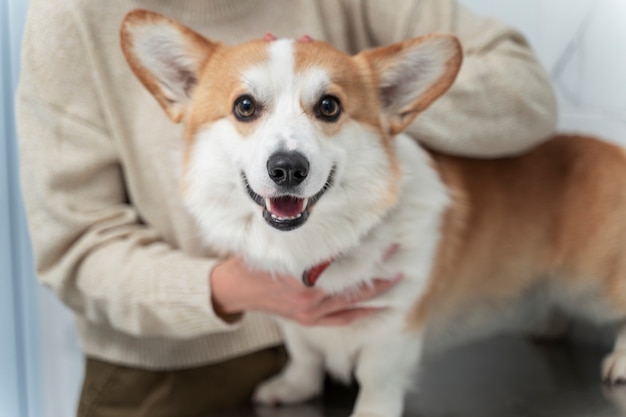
(502, 102)
(90, 245)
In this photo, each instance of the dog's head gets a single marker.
(289, 144)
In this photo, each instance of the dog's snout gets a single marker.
(288, 169)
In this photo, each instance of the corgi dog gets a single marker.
(295, 158)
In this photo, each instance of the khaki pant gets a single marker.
(117, 391)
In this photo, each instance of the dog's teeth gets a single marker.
(267, 202)
(297, 216)
(305, 203)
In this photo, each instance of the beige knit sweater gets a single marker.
(100, 161)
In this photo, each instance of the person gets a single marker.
(167, 326)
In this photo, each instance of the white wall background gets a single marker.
(582, 43)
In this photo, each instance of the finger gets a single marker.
(345, 301)
(372, 289)
(345, 317)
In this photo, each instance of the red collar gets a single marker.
(310, 277)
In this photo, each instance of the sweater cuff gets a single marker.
(192, 292)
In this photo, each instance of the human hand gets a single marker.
(236, 288)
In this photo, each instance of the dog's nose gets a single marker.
(288, 169)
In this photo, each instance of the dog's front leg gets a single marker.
(385, 370)
(302, 377)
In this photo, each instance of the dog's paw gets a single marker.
(614, 368)
(278, 390)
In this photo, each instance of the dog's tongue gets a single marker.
(286, 206)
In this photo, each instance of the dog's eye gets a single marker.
(328, 108)
(245, 108)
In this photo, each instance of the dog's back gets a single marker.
(552, 222)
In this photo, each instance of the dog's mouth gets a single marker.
(287, 212)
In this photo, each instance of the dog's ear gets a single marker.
(412, 74)
(166, 57)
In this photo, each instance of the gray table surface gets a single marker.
(505, 376)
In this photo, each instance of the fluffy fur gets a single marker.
(473, 235)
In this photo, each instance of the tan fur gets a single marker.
(553, 215)
(349, 75)
(220, 84)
